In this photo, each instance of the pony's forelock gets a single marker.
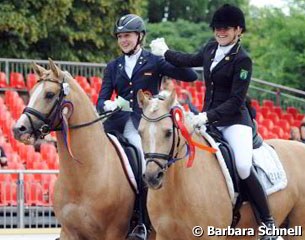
(155, 105)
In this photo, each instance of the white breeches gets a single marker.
(131, 133)
(240, 139)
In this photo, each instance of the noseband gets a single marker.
(169, 158)
(50, 118)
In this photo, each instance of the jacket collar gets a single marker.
(142, 60)
(228, 58)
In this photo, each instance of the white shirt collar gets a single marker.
(131, 61)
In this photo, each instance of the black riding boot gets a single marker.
(142, 230)
(259, 198)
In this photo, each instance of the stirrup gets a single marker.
(138, 233)
(266, 237)
(271, 238)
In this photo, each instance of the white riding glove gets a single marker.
(158, 47)
(199, 120)
(110, 105)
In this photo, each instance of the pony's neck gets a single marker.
(83, 141)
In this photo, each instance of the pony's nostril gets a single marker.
(22, 129)
(160, 175)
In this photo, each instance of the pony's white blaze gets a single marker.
(152, 138)
(35, 95)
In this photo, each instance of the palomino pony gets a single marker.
(181, 198)
(92, 197)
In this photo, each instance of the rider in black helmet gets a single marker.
(227, 73)
(228, 16)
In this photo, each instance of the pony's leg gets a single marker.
(65, 236)
(296, 218)
(152, 236)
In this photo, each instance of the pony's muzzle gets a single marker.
(19, 130)
(154, 179)
(23, 132)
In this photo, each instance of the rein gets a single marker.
(60, 112)
(56, 113)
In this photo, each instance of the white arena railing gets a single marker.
(37, 213)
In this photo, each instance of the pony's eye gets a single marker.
(49, 95)
(168, 133)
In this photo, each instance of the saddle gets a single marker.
(228, 157)
(140, 214)
(132, 155)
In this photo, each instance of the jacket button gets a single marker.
(130, 83)
(131, 100)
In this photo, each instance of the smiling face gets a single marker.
(128, 41)
(227, 35)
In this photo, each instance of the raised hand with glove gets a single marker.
(158, 47)
(118, 102)
(199, 120)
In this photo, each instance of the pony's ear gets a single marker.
(39, 70)
(54, 68)
(171, 99)
(142, 99)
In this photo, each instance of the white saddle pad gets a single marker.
(270, 169)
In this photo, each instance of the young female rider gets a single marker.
(135, 69)
(227, 73)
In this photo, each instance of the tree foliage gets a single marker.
(191, 10)
(277, 46)
(181, 35)
(74, 30)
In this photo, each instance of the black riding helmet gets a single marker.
(228, 16)
(130, 23)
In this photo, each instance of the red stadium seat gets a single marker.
(31, 80)
(296, 123)
(274, 117)
(272, 135)
(293, 111)
(33, 194)
(278, 111)
(263, 131)
(268, 124)
(278, 131)
(288, 117)
(198, 85)
(284, 124)
(265, 111)
(259, 117)
(96, 83)
(268, 103)
(3, 80)
(255, 104)
(300, 116)
(17, 80)
(8, 196)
